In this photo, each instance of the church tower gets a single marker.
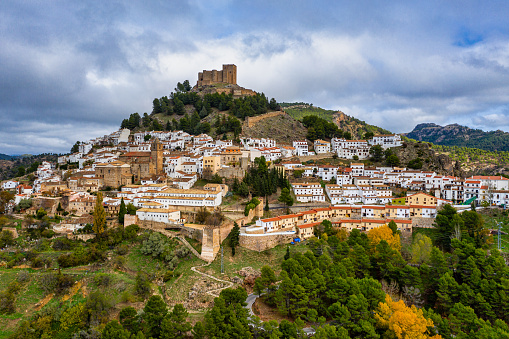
(156, 156)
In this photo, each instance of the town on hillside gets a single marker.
(264, 235)
(168, 177)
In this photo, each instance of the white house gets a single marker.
(8, 185)
(301, 147)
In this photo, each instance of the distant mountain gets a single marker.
(5, 157)
(462, 136)
(346, 123)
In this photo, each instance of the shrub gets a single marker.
(182, 252)
(142, 285)
(122, 249)
(102, 279)
(167, 276)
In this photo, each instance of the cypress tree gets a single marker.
(99, 215)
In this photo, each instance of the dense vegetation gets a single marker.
(260, 180)
(461, 136)
(467, 155)
(319, 128)
(24, 165)
(356, 127)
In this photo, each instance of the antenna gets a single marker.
(222, 261)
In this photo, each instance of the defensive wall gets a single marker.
(251, 121)
(264, 242)
(211, 237)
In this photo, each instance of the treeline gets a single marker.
(467, 154)
(241, 108)
(319, 128)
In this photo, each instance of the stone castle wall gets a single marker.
(423, 222)
(228, 75)
(265, 242)
(251, 121)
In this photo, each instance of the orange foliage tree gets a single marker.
(403, 322)
(378, 234)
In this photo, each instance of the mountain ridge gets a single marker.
(461, 136)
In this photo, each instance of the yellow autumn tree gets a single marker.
(99, 215)
(402, 321)
(378, 234)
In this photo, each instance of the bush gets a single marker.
(122, 249)
(182, 252)
(102, 279)
(47, 233)
(142, 285)
(62, 244)
(7, 303)
(23, 277)
(167, 276)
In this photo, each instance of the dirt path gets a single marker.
(212, 292)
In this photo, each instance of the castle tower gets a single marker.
(156, 155)
(230, 74)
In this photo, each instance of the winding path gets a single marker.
(212, 292)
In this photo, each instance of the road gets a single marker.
(250, 300)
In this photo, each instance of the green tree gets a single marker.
(445, 223)
(392, 160)
(129, 319)
(153, 313)
(131, 209)
(99, 215)
(199, 331)
(377, 153)
(142, 285)
(175, 324)
(421, 249)
(234, 237)
(6, 238)
(122, 212)
(286, 197)
(113, 330)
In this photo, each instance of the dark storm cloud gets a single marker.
(72, 70)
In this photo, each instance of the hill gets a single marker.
(461, 136)
(346, 123)
(5, 157)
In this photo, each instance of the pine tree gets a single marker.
(99, 215)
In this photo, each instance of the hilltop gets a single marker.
(461, 136)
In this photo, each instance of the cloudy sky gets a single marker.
(72, 70)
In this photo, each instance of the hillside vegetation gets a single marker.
(357, 128)
(461, 136)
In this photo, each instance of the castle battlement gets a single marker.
(227, 76)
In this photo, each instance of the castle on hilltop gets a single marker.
(227, 76)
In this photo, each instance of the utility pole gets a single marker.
(222, 262)
(499, 242)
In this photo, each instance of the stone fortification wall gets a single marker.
(423, 222)
(82, 237)
(227, 75)
(265, 242)
(232, 172)
(251, 121)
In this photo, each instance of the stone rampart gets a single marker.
(423, 222)
(264, 242)
(251, 121)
